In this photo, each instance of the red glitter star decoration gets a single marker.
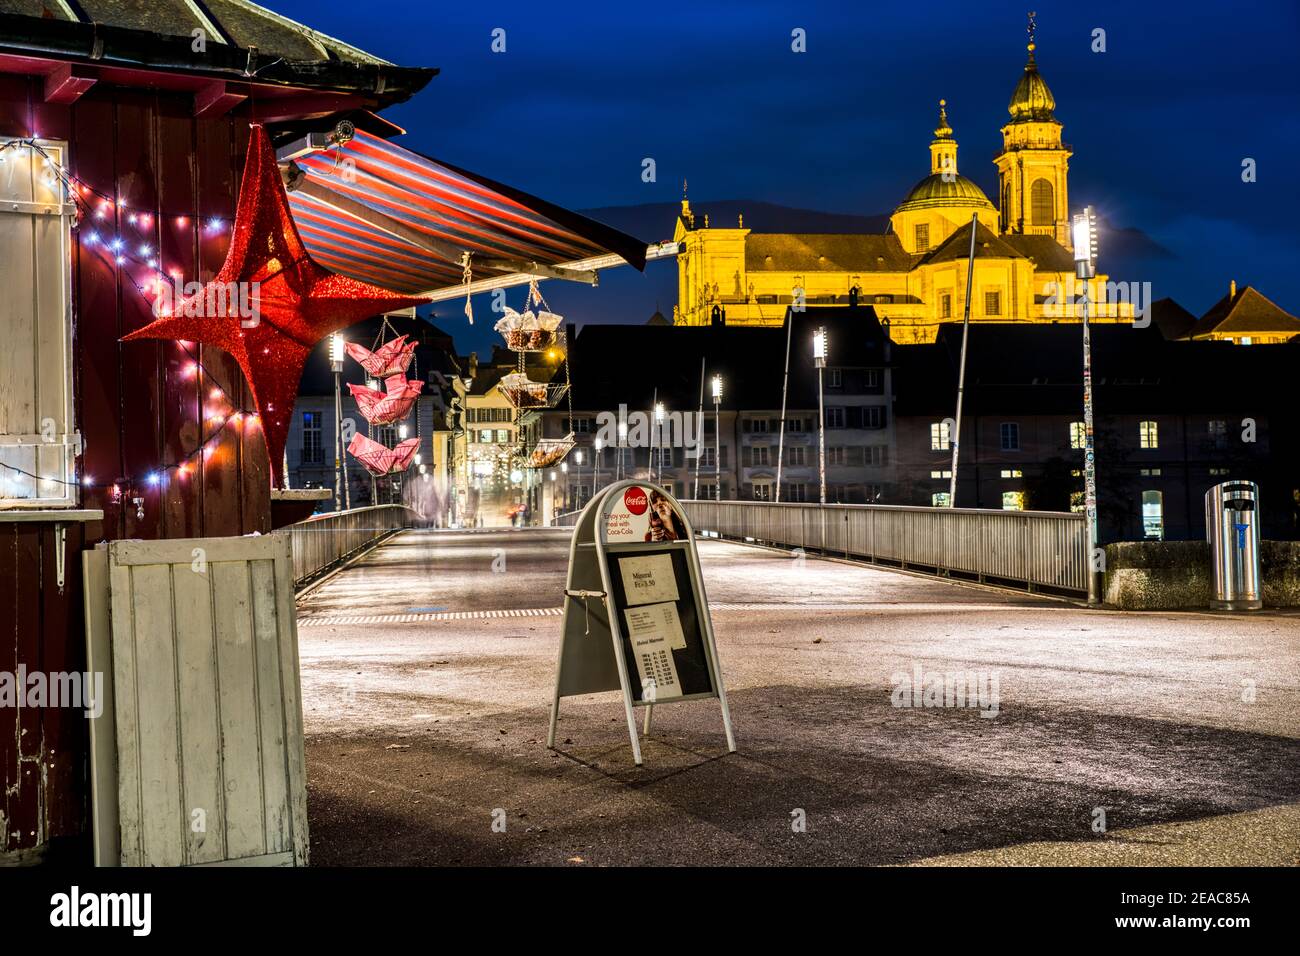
(297, 302)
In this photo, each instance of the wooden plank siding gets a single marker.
(135, 407)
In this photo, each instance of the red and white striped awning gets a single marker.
(374, 211)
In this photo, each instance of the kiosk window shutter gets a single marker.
(38, 444)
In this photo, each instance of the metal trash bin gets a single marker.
(1232, 528)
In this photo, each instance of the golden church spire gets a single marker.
(943, 149)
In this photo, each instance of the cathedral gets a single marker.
(914, 275)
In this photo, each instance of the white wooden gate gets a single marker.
(200, 758)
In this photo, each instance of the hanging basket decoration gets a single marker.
(549, 451)
(391, 358)
(529, 331)
(381, 460)
(389, 406)
(523, 393)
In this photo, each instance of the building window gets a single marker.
(1150, 472)
(1013, 501)
(38, 439)
(503, 436)
(871, 378)
(876, 455)
(937, 473)
(1041, 203)
(762, 491)
(796, 455)
(835, 417)
(939, 438)
(1077, 503)
(1012, 473)
(940, 499)
(1009, 432)
(992, 303)
(1218, 472)
(834, 378)
(835, 455)
(873, 416)
(1218, 434)
(922, 236)
(1078, 435)
(945, 305)
(1149, 435)
(313, 447)
(795, 491)
(1153, 519)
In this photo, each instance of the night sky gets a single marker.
(1159, 123)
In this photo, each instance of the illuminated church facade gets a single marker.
(915, 274)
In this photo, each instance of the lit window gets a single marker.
(1149, 472)
(936, 473)
(1012, 473)
(1218, 434)
(1010, 435)
(1153, 520)
(1013, 501)
(1077, 504)
(940, 499)
(1077, 435)
(992, 303)
(922, 236)
(1149, 435)
(939, 438)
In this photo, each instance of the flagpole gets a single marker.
(955, 436)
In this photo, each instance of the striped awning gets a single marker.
(386, 215)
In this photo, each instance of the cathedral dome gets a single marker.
(1032, 102)
(936, 190)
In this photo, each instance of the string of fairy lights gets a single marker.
(221, 411)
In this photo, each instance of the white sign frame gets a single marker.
(591, 658)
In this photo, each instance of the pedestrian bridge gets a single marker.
(428, 669)
(1035, 550)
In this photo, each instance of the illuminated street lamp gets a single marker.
(342, 493)
(717, 438)
(819, 360)
(659, 433)
(595, 466)
(622, 440)
(1084, 234)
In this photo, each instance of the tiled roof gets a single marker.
(957, 246)
(810, 252)
(1244, 313)
(1048, 254)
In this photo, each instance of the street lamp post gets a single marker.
(577, 458)
(1085, 263)
(819, 359)
(717, 438)
(622, 440)
(595, 466)
(659, 435)
(342, 494)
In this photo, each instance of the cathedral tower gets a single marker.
(1034, 164)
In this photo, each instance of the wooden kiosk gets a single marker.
(636, 618)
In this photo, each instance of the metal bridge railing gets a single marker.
(326, 540)
(1037, 549)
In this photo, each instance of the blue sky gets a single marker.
(1159, 123)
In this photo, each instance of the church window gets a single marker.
(922, 236)
(992, 303)
(945, 306)
(1041, 201)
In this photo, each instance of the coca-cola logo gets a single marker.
(636, 500)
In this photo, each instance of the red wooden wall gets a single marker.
(137, 411)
